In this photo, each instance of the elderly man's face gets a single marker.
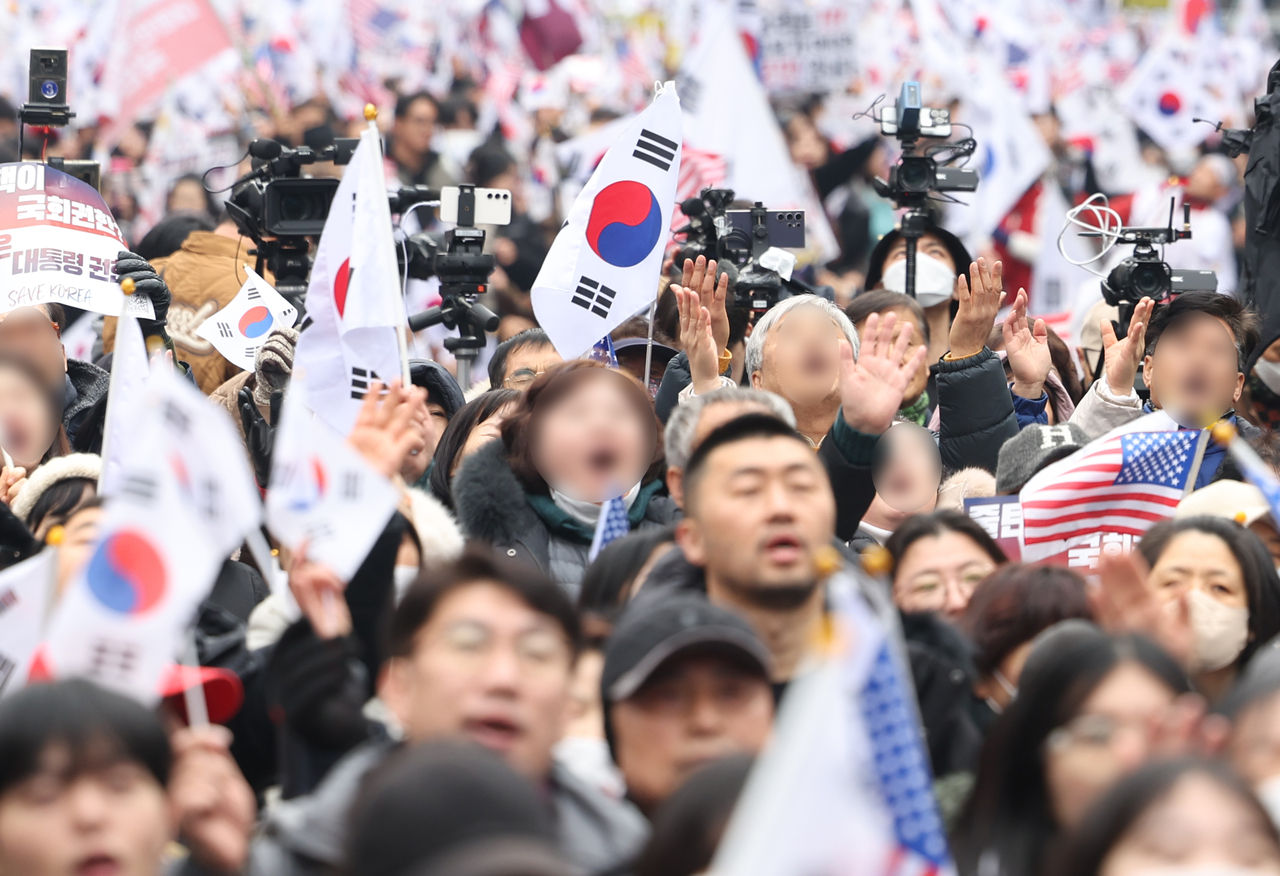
(801, 359)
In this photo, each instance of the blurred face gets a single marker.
(28, 334)
(1199, 825)
(907, 468)
(415, 129)
(762, 511)
(1254, 749)
(488, 667)
(1266, 532)
(1110, 738)
(27, 425)
(1203, 183)
(188, 196)
(80, 535)
(939, 574)
(44, 524)
(808, 149)
(928, 244)
(1193, 372)
(595, 442)
(110, 821)
(526, 364)
(802, 359)
(693, 710)
(482, 434)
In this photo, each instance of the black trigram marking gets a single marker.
(254, 294)
(139, 486)
(593, 296)
(118, 659)
(250, 352)
(224, 329)
(176, 417)
(7, 667)
(306, 323)
(360, 380)
(209, 500)
(655, 149)
(318, 530)
(351, 485)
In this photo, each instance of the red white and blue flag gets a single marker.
(1125, 483)
(239, 329)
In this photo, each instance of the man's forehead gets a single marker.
(765, 452)
(715, 415)
(1199, 322)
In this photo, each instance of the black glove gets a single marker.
(149, 283)
(260, 434)
(318, 687)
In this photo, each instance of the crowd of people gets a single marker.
(513, 683)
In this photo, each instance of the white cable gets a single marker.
(1106, 223)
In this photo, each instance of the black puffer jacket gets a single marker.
(976, 411)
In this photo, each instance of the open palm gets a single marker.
(872, 387)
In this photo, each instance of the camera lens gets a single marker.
(915, 175)
(49, 89)
(1149, 280)
(297, 207)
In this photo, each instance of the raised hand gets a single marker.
(320, 595)
(699, 345)
(980, 298)
(1028, 348)
(12, 480)
(1123, 358)
(384, 431)
(211, 802)
(1123, 603)
(700, 277)
(871, 388)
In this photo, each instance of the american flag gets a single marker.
(613, 525)
(1121, 483)
(370, 21)
(603, 352)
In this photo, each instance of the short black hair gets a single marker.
(407, 100)
(488, 162)
(455, 436)
(1015, 604)
(167, 236)
(939, 522)
(479, 563)
(748, 426)
(534, 337)
(880, 300)
(59, 500)
(616, 568)
(96, 726)
(1242, 320)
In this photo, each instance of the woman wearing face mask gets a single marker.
(582, 434)
(1253, 748)
(1184, 816)
(1008, 610)
(1222, 576)
(1090, 709)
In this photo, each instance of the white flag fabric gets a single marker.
(239, 330)
(1169, 89)
(185, 501)
(129, 372)
(343, 346)
(605, 263)
(25, 591)
(844, 785)
(323, 491)
(727, 114)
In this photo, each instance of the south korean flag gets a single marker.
(238, 330)
(605, 263)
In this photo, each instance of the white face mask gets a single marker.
(404, 576)
(1220, 631)
(935, 282)
(1268, 373)
(1269, 795)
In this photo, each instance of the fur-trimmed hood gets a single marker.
(490, 500)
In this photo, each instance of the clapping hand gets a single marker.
(384, 431)
(1124, 357)
(871, 389)
(979, 298)
(1028, 348)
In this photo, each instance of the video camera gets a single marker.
(47, 107)
(458, 259)
(917, 177)
(747, 244)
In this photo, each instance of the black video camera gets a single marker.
(738, 240)
(1145, 274)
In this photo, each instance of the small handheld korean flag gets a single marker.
(323, 491)
(129, 370)
(25, 591)
(605, 262)
(239, 330)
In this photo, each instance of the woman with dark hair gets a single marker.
(477, 422)
(938, 561)
(580, 435)
(1007, 611)
(56, 490)
(1181, 815)
(617, 574)
(1084, 717)
(1224, 576)
(31, 430)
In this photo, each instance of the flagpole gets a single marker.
(197, 706)
(648, 347)
(402, 337)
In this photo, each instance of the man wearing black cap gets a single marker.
(684, 682)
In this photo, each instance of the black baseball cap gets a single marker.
(441, 387)
(656, 627)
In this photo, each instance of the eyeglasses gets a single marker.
(1093, 731)
(522, 378)
(472, 645)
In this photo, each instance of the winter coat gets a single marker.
(85, 413)
(493, 507)
(976, 411)
(942, 672)
(308, 835)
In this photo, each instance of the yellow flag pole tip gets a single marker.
(877, 560)
(370, 112)
(127, 286)
(1223, 432)
(54, 535)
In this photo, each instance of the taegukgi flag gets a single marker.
(129, 370)
(25, 592)
(239, 330)
(605, 262)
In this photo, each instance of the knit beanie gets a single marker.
(1031, 450)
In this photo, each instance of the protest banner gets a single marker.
(58, 244)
